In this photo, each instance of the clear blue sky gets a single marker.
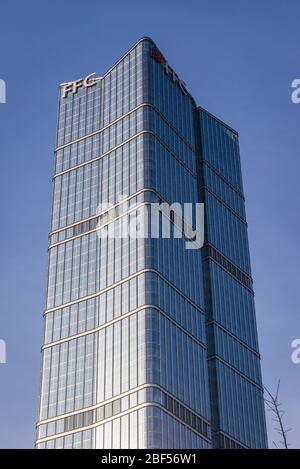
(238, 59)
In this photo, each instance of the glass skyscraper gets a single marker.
(147, 344)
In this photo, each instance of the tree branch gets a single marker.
(273, 405)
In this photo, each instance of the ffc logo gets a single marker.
(159, 58)
(157, 55)
(73, 86)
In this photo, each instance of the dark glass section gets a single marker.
(236, 393)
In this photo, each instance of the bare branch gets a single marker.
(273, 405)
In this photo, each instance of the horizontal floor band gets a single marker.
(120, 318)
(126, 114)
(142, 132)
(240, 373)
(129, 277)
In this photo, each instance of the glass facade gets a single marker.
(147, 344)
(235, 383)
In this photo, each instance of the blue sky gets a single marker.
(238, 59)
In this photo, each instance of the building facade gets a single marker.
(147, 344)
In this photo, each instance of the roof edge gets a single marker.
(200, 108)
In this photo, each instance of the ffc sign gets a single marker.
(158, 57)
(73, 86)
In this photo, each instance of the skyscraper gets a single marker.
(147, 344)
